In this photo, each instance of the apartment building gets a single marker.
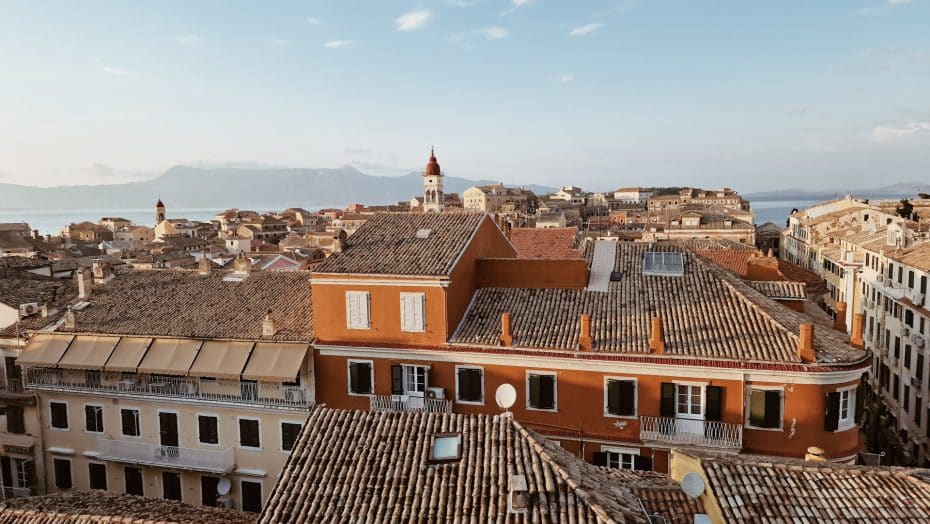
(182, 385)
(620, 357)
(492, 197)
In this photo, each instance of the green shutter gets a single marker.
(397, 379)
(613, 397)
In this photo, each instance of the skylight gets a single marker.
(424, 233)
(447, 447)
(664, 264)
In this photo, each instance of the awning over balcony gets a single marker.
(221, 359)
(170, 356)
(88, 352)
(275, 362)
(128, 354)
(45, 350)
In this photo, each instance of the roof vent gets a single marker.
(424, 233)
(519, 499)
(664, 264)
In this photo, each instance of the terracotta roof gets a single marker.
(557, 242)
(755, 489)
(707, 313)
(374, 467)
(389, 244)
(85, 507)
(55, 293)
(186, 304)
(780, 289)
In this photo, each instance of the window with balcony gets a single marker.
(407, 379)
(251, 496)
(93, 419)
(97, 475)
(59, 412)
(413, 312)
(133, 479)
(358, 304)
(62, 469)
(765, 408)
(289, 433)
(249, 433)
(541, 391)
(469, 384)
(361, 377)
(208, 429)
(129, 420)
(620, 397)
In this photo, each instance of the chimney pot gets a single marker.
(839, 323)
(204, 266)
(856, 337)
(806, 343)
(814, 454)
(70, 321)
(656, 338)
(506, 332)
(269, 328)
(585, 342)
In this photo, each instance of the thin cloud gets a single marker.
(339, 44)
(190, 39)
(585, 30)
(566, 78)
(413, 20)
(494, 33)
(115, 71)
(898, 133)
(462, 3)
(280, 42)
(313, 21)
(878, 9)
(516, 4)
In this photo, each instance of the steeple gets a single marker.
(159, 212)
(432, 184)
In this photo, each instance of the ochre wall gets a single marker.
(532, 273)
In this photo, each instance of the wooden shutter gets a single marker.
(772, 408)
(477, 385)
(613, 397)
(667, 404)
(248, 433)
(412, 311)
(642, 463)
(90, 419)
(130, 422)
(534, 391)
(357, 309)
(832, 419)
(757, 408)
(209, 433)
(627, 398)
(397, 379)
(363, 377)
(600, 458)
(713, 405)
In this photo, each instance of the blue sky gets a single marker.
(753, 95)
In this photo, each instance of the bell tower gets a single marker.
(432, 185)
(159, 212)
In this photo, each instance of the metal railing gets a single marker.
(12, 385)
(167, 456)
(690, 432)
(408, 403)
(131, 384)
(10, 492)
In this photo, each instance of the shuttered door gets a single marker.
(714, 407)
(397, 379)
(667, 405)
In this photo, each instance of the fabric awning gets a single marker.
(127, 354)
(275, 362)
(221, 359)
(88, 352)
(170, 356)
(45, 350)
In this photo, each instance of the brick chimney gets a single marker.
(204, 266)
(584, 339)
(85, 282)
(839, 323)
(242, 265)
(806, 343)
(656, 338)
(269, 328)
(855, 337)
(506, 337)
(814, 454)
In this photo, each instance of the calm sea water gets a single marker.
(777, 211)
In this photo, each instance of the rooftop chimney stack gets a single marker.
(806, 343)
(269, 328)
(814, 454)
(204, 266)
(242, 265)
(585, 342)
(656, 338)
(85, 282)
(102, 271)
(506, 332)
(839, 323)
(70, 321)
(856, 337)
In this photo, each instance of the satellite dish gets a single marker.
(505, 396)
(223, 486)
(693, 485)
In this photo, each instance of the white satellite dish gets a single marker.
(505, 396)
(693, 485)
(223, 486)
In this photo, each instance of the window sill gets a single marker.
(846, 427)
(548, 410)
(470, 402)
(757, 428)
(248, 448)
(359, 394)
(625, 417)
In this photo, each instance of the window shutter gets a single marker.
(350, 310)
(353, 377)
(642, 463)
(534, 391)
(714, 404)
(419, 312)
(547, 391)
(600, 458)
(613, 397)
(363, 303)
(772, 408)
(477, 392)
(627, 398)
(397, 379)
(667, 404)
(757, 408)
(90, 419)
(363, 377)
(832, 419)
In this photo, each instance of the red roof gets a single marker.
(557, 243)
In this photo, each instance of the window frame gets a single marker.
(239, 444)
(102, 422)
(261, 494)
(106, 475)
(219, 437)
(138, 421)
(51, 416)
(281, 424)
(747, 423)
(690, 416)
(555, 390)
(357, 293)
(469, 402)
(371, 383)
(632, 452)
(843, 424)
(618, 378)
(55, 462)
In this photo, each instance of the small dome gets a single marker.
(159, 203)
(432, 167)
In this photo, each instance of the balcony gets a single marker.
(183, 388)
(687, 432)
(14, 391)
(412, 404)
(10, 492)
(145, 454)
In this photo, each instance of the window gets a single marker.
(15, 421)
(249, 436)
(208, 429)
(541, 391)
(59, 415)
(357, 310)
(907, 356)
(446, 447)
(765, 408)
(907, 398)
(841, 409)
(208, 493)
(133, 477)
(289, 433)
(896, 389)
(130, 422)
(919, 367)
(408, 379)
(622, 458)
(97, 472)
(469, 384)
(251, 496)
(620, 397)
(170, 485)
(93, 419)
(62, 473)
(361, 377)
(689, 400)
(412, 312)
(917, 410)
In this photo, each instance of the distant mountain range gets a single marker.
(900, 190)
(258, 188)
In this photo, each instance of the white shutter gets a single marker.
(412, 316)
(363, 310)
(357, 310)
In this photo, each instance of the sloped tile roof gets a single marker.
(707, 313)
(780, 289)
(57, 294)
(373, 467)
(554, 243)
(387, 244)
(183, 303)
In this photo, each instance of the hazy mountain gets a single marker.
(899, 190)
(224, 187)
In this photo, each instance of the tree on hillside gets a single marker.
(904, 208)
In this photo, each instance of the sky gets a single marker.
(597, 93)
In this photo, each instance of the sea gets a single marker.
(51, 221)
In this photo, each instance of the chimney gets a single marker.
(84, 281)
(269, 329)
(101, 270)
(506, 332)
(839, 323)
(339, 242)
(70, 321)
(656, 339)
(36, 235)
(856, 337)
(204, 267)
(242, 265)
(814, 454)
(584, 339)
(519, 494)
(44, 310)
(806, 343)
